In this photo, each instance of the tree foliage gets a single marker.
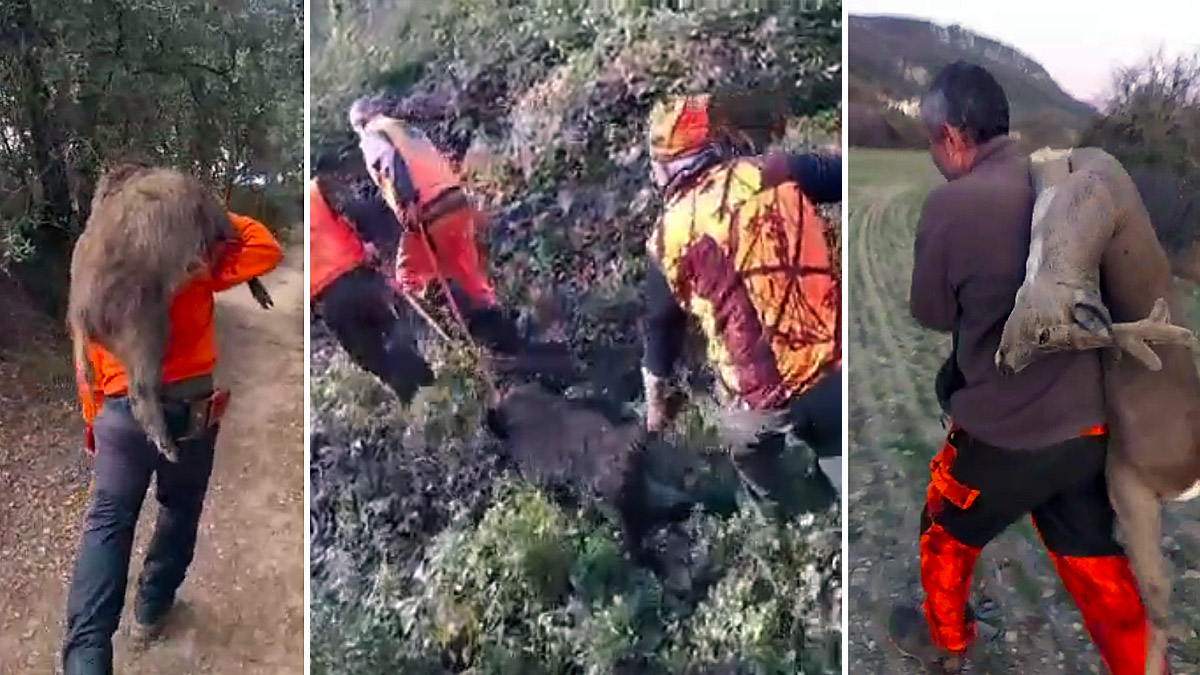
(213, 87)
(1152, 125)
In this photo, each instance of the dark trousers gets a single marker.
(977, 490)
(358, 308)
(381, 338)
(761, 442)
(124, 463)
(816, 415)
(1062, 487)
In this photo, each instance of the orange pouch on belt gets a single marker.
(217, 403)
(942, 484)
(206, 413)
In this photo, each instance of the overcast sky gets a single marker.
(1079, 42)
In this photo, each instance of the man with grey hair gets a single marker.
(439, 223)
(1030, 443)
(366, 108)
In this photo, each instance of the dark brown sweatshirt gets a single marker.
(968, 262)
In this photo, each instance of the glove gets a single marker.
(89, 441)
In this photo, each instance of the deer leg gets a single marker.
(1139, 518)
(1134, 337)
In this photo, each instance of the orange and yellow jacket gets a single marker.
(753, 265)
(334, 247)
(191, 342)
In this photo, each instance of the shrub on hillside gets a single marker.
(1153, 127)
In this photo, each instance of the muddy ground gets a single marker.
(243, 601)
(894, 431)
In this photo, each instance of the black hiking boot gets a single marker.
(495, 331)
(406, 370)
(146, 630)
(909, 632)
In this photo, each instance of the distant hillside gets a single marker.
(893, 59)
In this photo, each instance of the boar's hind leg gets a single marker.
(142, 355)
(259, 291)
(1139, 517)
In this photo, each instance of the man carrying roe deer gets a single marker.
(1033, 442)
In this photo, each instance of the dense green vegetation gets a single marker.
(427, 556)
(1153, 127)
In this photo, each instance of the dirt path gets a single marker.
(894, 431)
(243, 601)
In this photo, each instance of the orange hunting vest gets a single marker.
(754, 267)
(429, 170)
(333, 246)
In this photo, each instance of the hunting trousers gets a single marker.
(761, 441)
(977, 490)
(125, 461)
(456, 255)
(379, 338)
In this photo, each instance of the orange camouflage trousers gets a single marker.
(977, 490)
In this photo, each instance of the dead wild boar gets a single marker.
(149, 231)
(557, 442)
(583, 450)
(1096, 277)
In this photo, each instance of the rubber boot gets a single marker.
(1106, 593)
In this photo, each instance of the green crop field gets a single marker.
(895, 430)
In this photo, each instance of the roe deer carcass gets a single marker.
(1097, 276)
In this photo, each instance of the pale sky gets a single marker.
(1079, 42)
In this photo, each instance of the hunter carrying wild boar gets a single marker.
(156, 248)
